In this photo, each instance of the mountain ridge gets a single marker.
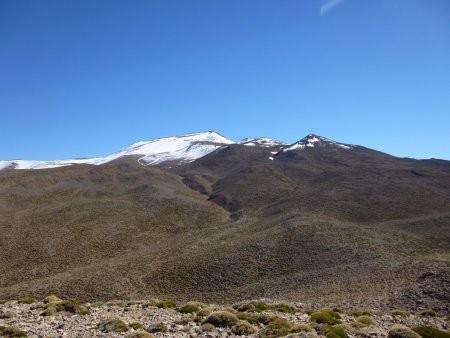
(180, 149)
(322, 224)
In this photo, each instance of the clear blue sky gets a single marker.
(85, 78)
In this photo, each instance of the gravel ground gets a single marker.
(169, 322)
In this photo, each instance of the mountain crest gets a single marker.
(180, 149)
(313, 140)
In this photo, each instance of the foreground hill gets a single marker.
(317, 222)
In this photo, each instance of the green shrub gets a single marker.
(258, 319)
(9, 331)
(204, 312)
(136, 325)
(301, 328)
(207, 327)
(245, 307)
(222, 319)
(402, 332)
(261, 306)
(51, 299)
(113, 325)
(3, 301)
(165, 304)
(71, 306)
(335, 332)
(76, 307)
(285, 309)
(326, 316)
(241, 315)
(365, 320)
(27, 300)
(189, 308)
(277, 327)
(427, 331)
(243, 328)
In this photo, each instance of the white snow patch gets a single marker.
(261, 142)
(183, 148)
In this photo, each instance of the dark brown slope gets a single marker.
(358, 184)
(322, 225)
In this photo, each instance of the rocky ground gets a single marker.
(53, 317)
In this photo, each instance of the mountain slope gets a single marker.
(323, 224)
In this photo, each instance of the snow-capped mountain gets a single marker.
(183, 148)
(312, 141)
(261, 142)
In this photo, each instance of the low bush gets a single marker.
(402, 332)
(189, 308)
(206, 311)
(428, 313)
(277, 327)
(258, 319)
(71, 306)
(9, 331)
(243, 328)
(76, 307)
(113, 325)
(207, 327)
(222, 319)
(136, 326)
(326, 316)
(27, 300)
(165, 304)
(245, 307)
(261, 306)
(301, 328)
(335, 332)
(51, 299)
(365, 320)
(242, 315)
(285, 308)
(427, 331)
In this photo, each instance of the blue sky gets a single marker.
(84, 78)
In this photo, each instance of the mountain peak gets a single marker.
(313, 140)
